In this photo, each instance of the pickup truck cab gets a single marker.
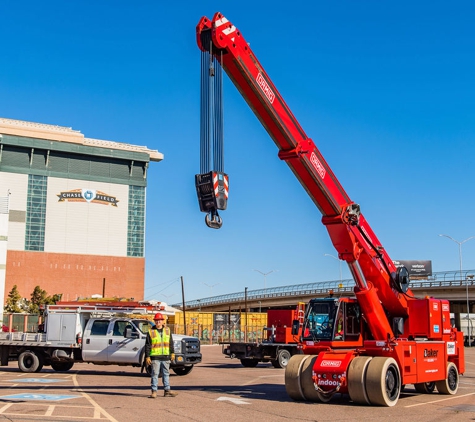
(119, 341)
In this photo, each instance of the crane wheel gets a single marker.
(451, 384)
(298, 378)
(383, 381)
(425, 387)
(292, 377)
(357, 379)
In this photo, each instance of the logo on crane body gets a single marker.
(331, 363)
(318, 165)
(265, 87)
(430, 353)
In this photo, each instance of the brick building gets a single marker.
(72, 214)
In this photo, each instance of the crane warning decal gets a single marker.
(265, 87)
(318, 165)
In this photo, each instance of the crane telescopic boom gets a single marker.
(373, 270)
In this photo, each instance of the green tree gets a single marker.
(51, 300)
(14, 301)
(38, 298)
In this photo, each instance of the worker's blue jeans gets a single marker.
(164, 365)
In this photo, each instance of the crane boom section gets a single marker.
(249, 77)
(350, 233)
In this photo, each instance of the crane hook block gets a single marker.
(212, 189)
(213, 220)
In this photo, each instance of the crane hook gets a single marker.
(213, 220)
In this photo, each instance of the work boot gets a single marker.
(168, 393)
(153, 395)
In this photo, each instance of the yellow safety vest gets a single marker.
(160, 342)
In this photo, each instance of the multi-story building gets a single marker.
(72, 212)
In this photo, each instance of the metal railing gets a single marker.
(438, 279)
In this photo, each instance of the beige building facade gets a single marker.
(73, 212)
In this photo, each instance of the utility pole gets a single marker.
(245, 312)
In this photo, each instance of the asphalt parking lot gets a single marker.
(217, 389)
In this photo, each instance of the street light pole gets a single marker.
(211, 287)
(339, 260)
(461, 276)
(265, 275)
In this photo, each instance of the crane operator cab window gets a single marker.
(332, 320)
(319, 321)
(348, 322)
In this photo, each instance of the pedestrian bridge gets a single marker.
(448, 285)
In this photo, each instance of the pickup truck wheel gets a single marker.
(249, 363)
(183, 370)
(29, 362)
(62, 366)
(282, 359)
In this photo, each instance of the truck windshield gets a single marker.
(143, 325)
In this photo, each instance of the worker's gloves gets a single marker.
(148, 361)
(172, 356)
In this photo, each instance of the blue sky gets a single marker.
(385, 89)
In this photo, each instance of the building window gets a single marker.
(36, 213)
(136, 221)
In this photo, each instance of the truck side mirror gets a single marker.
(295, 327)
(129, 333)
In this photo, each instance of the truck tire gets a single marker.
(249, 363)
(29, 362)
(62, 366)
(282, 359)
(183, 370)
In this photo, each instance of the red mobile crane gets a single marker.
(369, 346)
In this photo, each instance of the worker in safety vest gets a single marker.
(159, 352)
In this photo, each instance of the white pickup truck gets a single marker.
(100, 338)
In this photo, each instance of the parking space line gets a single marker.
(5, 407)
(438, 401)
(98, 410)
(49, 411)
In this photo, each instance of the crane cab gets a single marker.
(332, 322)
